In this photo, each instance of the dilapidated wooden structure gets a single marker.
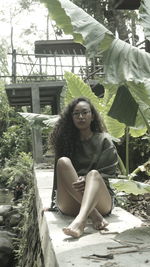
(42, 78)
(126, 4)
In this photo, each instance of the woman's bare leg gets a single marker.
(96, 201)
(95, 195)
(68, 200)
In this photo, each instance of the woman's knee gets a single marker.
(63, 162)
(94, 174)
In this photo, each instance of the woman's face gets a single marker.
(82, 115)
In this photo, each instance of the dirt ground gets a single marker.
(138, 205)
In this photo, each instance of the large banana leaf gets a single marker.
(84, 28)
(145, 17)
(114, 126)
(140, 126)
(122, 111)
(128, 66)
(123, 63)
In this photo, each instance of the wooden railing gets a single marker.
(28, 68)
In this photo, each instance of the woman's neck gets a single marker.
(85, 135)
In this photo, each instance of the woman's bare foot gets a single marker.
(45, 209)
(75, 229)
(98, 220)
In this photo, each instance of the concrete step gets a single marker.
(61, 250)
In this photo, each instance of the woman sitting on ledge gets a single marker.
(85, 158)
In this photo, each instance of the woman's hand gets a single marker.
(79, 185)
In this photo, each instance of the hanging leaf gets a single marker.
(128, 65)
(51, 121)
(140, 91)
(84, 28)
(145, 17)
(124, 107)
(39, 120)
(124, 62)
(140, 95)
(114, 127)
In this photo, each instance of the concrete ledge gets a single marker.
(63, 251)
(43, 188)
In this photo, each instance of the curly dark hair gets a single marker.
(65, 134)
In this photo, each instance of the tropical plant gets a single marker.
(127, 83)
(17, 170)
(3, 57)
(5, 109)
(126, 67)
(39, 120)
(15, 138)
(127, 94)
(121, 21)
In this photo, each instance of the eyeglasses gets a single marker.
(77, 114)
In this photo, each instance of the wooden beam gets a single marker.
(58, 47)
(126, 4)
(36, 133)
(147, 46)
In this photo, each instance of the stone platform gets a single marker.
(61, 250)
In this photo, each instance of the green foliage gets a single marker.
(26, 4)
(124, 64)
(14, 139)
(94, 8)
(129, 186)
(15, 144)
(28, 244)
(5, 109)
(120, 108)
(139, 152)
(76, 87)
(3, 57)
(139, 144)
(26, 224)
(120, 21)
(145, 17)
(40, 120)
(84, 28)
(17, 170)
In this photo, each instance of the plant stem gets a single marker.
(121, 165)
(127, 150)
